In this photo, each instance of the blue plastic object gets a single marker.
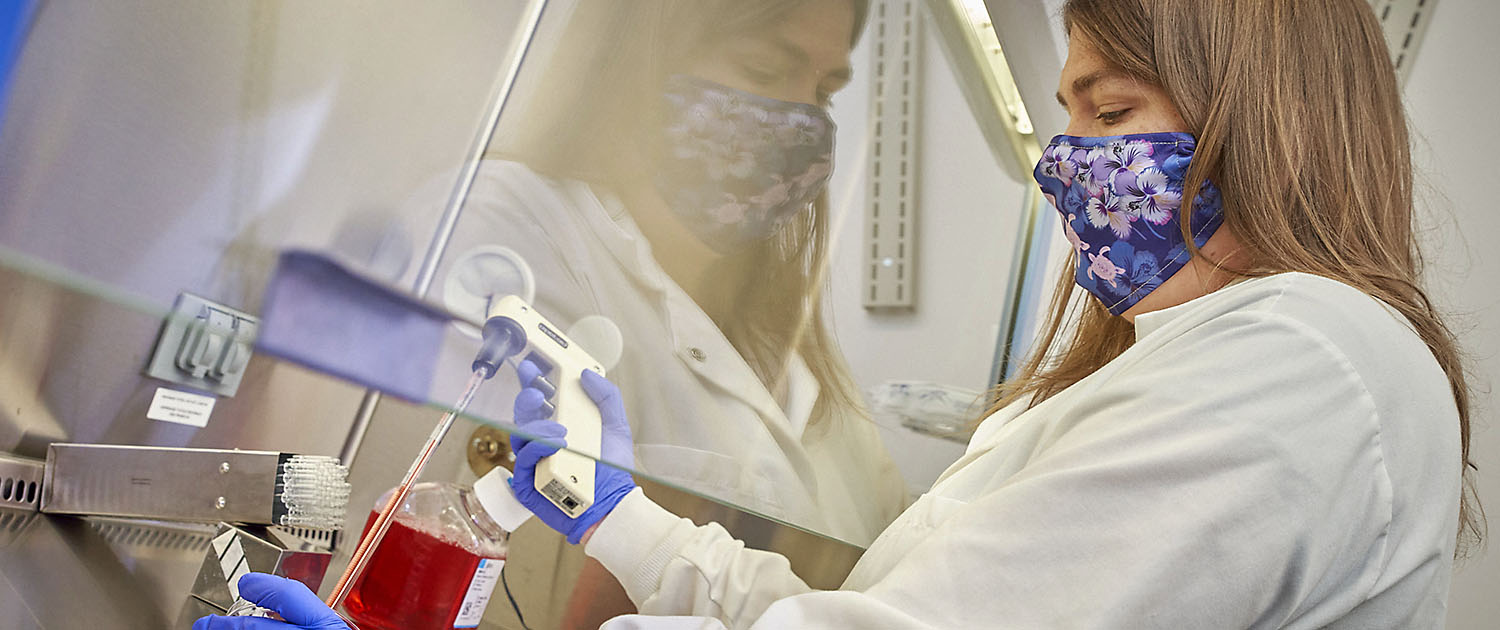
(318, 314)
(15, 21)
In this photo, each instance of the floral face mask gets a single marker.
(737, 167)
(1120, 199)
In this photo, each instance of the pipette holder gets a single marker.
(164, 483)
(240, 549)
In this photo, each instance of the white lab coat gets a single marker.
(1282, 453)
(701, 418)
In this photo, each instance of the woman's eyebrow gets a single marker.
(1083, 83)
(800, 56)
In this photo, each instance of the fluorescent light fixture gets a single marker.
(973, 49)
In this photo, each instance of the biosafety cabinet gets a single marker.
(162, 161)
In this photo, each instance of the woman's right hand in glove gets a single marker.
(545, 437)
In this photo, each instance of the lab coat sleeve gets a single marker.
(1234, 477)
(669, 566)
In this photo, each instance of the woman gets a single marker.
(669, 174)
(1258, 420)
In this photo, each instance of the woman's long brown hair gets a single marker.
(1299, 122)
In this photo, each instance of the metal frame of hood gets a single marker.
(499, 97)
(996, 80)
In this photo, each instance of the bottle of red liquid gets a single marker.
(439, 561)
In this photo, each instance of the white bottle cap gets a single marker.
(494, 494)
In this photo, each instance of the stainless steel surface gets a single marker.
(71, 354)
(193, 609)
(21, 482)
(63, 572)
(304, 539)
(161, 483)
(139, 144)
(237, 549)
(150, 534)
(13, 521)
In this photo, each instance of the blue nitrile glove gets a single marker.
(611, 484)
(289, 598)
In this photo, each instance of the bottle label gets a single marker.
(479, 592)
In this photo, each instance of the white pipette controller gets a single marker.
(513, 329)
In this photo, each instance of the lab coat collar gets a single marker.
(1189, 313)
(1147, 323)
(607, 216)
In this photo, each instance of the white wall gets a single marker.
(1451, 98)
(968, 215)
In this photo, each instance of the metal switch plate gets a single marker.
(204, 345)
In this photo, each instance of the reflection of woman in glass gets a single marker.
(668, 172)
(1255, 418)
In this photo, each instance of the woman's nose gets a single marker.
(803, 91)
(1081, 126)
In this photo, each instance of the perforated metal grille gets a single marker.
(20, 482)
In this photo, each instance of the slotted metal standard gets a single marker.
(1405, 23)
(891, 216)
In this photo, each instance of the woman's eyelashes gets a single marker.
(1113, 117)
(775, 82)
(761, 74)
